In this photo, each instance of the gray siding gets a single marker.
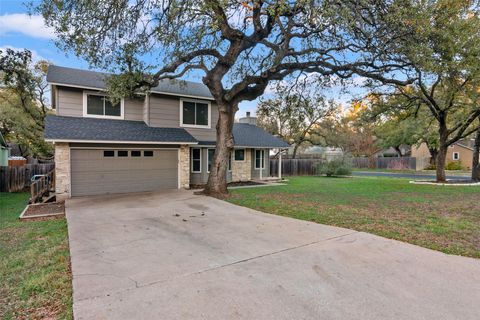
(94, 174)
(266, 171)
(70, 104)
(202, 177)
(133, 109)
(165, 112)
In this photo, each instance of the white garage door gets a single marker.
(103, 171)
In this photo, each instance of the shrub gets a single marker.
(334, 168)
(431, 167)
(454, 165)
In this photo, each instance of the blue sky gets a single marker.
(18, 30)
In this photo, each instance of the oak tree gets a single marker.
(23, 101)
(294, 112)
(238, 47)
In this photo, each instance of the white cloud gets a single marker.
(32, 26)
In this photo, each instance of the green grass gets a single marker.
(385, 170)
(443, 218)
(411, 171)
(34, 264)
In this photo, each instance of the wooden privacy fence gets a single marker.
(294, 167)
(394, 163)
(15, 179)
(307, 167)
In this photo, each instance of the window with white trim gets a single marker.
(210, 154)
(239, 155)
(259, 159)
(195, 113)
(456, 156)
(230, 161)
(196, 160)
(98, 105)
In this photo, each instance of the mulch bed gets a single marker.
(231, 184)
(44, 209)
(244, 183)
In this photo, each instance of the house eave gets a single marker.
(151, 91)
(260, 147)
(119, 141)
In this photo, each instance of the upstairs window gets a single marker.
(98, 105)
(195, 113)
(456, 156)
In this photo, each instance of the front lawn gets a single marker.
(437, 217)
(34, 264)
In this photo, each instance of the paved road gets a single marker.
(175, 255)
(405, 175)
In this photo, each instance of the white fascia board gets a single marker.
(118, 142)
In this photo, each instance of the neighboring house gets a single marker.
(4, 152)
(317, 152)
(404, 150)
(461, 151)
(165, 139)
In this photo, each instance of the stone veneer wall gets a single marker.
(184, 166)
(62, 170)
(242, 170)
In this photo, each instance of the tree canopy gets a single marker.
(24, 103)
(238, 47)
(294, 112)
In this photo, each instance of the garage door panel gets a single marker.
(86, 166)
(92, 173)
(118, 177)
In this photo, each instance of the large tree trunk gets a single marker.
(442, 151)
(441, 162)
(476, 155)
(433, 155)
(217, 179)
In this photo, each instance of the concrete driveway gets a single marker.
(175, 255)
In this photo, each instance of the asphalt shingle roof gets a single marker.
(73, 128)
(247, 135)
(96, 80)
(93, 129)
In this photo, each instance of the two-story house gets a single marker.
(161, 140)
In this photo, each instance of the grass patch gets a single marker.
(440, 218)
(34, 264)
